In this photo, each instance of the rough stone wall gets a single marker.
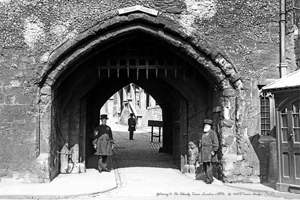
(18, 118)
(247, 31)
(296, 25)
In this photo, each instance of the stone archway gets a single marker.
(214, 67)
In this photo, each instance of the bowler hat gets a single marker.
(104, 116)
(131, 114)
(208, 121)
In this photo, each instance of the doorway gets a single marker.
(182, 92)
(288, 138)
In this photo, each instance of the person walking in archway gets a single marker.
(103, 140)
(131, 126)
(209, 145)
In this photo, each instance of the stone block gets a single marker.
(246, 171)
(229, 92)
(228, 123)
(3, 172)
(229, 160)
(2, 98)
(46, 90)
(252, 179)
(228, 140)
(231, 179)
(237, 170)
(11, 113)
(245, 163)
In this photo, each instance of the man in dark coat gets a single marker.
(131, 126)
(209, 145)
(103, 140)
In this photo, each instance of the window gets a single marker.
(265, 114)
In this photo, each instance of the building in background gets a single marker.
(132, 99)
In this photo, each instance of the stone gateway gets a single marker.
(198, 59)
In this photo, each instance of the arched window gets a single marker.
(265, 113)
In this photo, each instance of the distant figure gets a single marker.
(209, 145)
(131, 126)
(103, 140)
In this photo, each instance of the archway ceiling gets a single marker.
(161, 71)
(138, 51)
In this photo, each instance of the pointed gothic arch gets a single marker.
(206, 60)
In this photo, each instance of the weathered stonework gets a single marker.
(43, 43)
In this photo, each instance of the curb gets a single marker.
(55, 196)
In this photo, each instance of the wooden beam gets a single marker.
(144, 67)
(147, 73)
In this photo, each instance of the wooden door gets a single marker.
(289, 146)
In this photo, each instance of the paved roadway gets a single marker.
(143, 173)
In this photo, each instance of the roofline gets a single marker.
(282, 88)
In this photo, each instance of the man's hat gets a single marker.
(104, 116)
(208, 121)
(131, 114)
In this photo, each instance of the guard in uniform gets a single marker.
(131, 126)
(208, 146)
(103, 140)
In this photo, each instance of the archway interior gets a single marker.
(181, 89)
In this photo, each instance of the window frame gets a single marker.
(271, 131)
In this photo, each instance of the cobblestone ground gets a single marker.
(143, 173)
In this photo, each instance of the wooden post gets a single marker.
(151, 133)
(159, 135)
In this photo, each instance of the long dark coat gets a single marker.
(103, 140)
(131, 124)
(209, 143)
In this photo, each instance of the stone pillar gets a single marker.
(152, 101)
(142, 99)
(132, 91)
